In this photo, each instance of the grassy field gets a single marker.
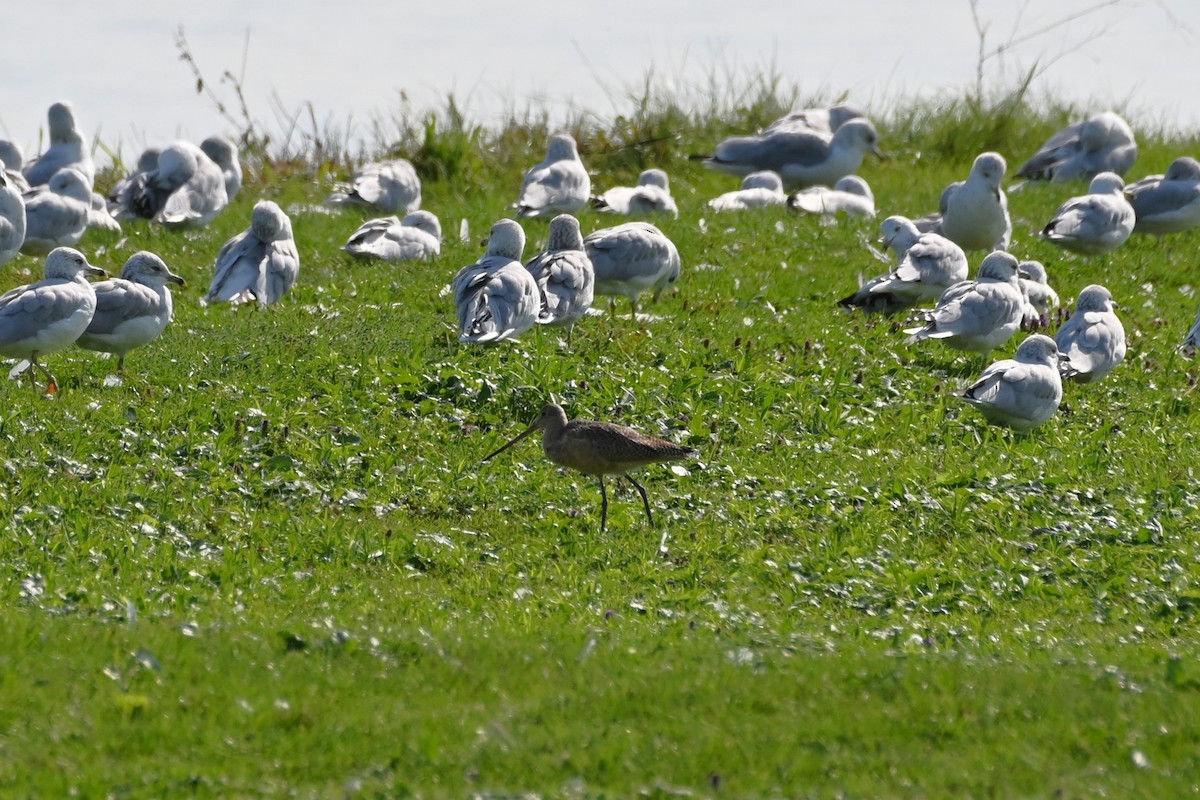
(268, 562)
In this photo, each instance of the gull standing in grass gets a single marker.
(496, 297)
(185, 188)
(66, 149)
(560, 184)
(1021, 392)
(801, 158)
(131, 310)
(12, 220)
(974, 213)
(1092, 341)
(817, 120)
(388, 186)
(57, 213)
(13, 160)
(851, 196)
(1167, 203)
(759, 190)
(258, 265)
(1103, 143)
(565, 278)
(631, 258)
(417, 236)
(929, 265)
(44, 317)
(978, 315)
(1040, 299)
(652, 195)
(1098, 222)
(600, 448)
(224, 154)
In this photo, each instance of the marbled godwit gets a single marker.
(929, 264)
(974, 213)
(652, 195)
(599, 448)
(132, 310)
(558, 184)
(1092, 341)
(49, 315)
(630, 258)
(564, 275)
(388, 186)
(496, 298)
(260, 263)
(417, 236)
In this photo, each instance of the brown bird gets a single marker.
(599, 448)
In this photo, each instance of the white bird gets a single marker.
(1092, 341)
(12, 220)
(1103, 143)
(974, 213)
(818, 120)
(185, 188)
(759, 190)
(630, 258)
(929, 264)
(392, 187)
(801, 158)
(978, 315)
(260, 264)
(565, 278)
(66, 149)
(13, 160)
(120, 197)
(131, 310)
(1021, 392)
(1167, 203)
(224, 154)
(496, 297)
(417, 236)
(99, 216)
(45, 317)
(851, 196)
(560, 184)
(652, 195)
(57, 213)
(1040, 298)
(1098, 222)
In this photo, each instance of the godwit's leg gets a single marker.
(603, 505)
(645, 500)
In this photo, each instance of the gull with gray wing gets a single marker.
(929, 264)
(131, 310)
(1092, 341)
(1098, 222)
(978, 315)
(565, 278)
(1021, 392)
(851, 196)
(1103, 143)
(1168, 203)
(496, 297)
(417, 236)
(258, 265)
(57, 213)
(974, 213)
(801, 158)
(387, 186)
(759, 190)
(559, 184)
(652, 195)
(631, 258)
(66, 149)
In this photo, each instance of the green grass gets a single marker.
(269, 562)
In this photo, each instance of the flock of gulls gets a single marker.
(808, 160)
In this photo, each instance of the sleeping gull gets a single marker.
(12, 220)
(1021, 392)
(974, 213)
(759, 190)
(496, 297)
(631, 258)
(929, 264)
(557, 185)
(565, 279)
(66, 149)
(388, 186)
(120, 197)
(1040, 299)
(1092, 341)
(47, 316)
(131, 310)
(260, 264)
(801, 158)
(1103, 143)
(185, 188)
(978, 315)
(417, 236)
(99, 216)
(1167, 203)
(57, 213)
(1098, 222)
(11, 156)
(818, 120)
(224, 154)
(652, 195)
(851, 196)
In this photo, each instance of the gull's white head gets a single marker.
(654, 177)
(148, 269)
(148, 160)
(999, 266)
(858, 135)
(1032, 271)
(1184, 168)
(11, 155)
(220, 150)
(70, 182)
(67, 263)
(1107, 183)
(268, 223)
(852, 184)
(562, 148)
(61, 118)
(175, 167)
(1094, 298)
(1038, 349)
(424, 221)
(507, 240)
(764, 179)
(898, 229)
(990, 167)
(564, 234)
